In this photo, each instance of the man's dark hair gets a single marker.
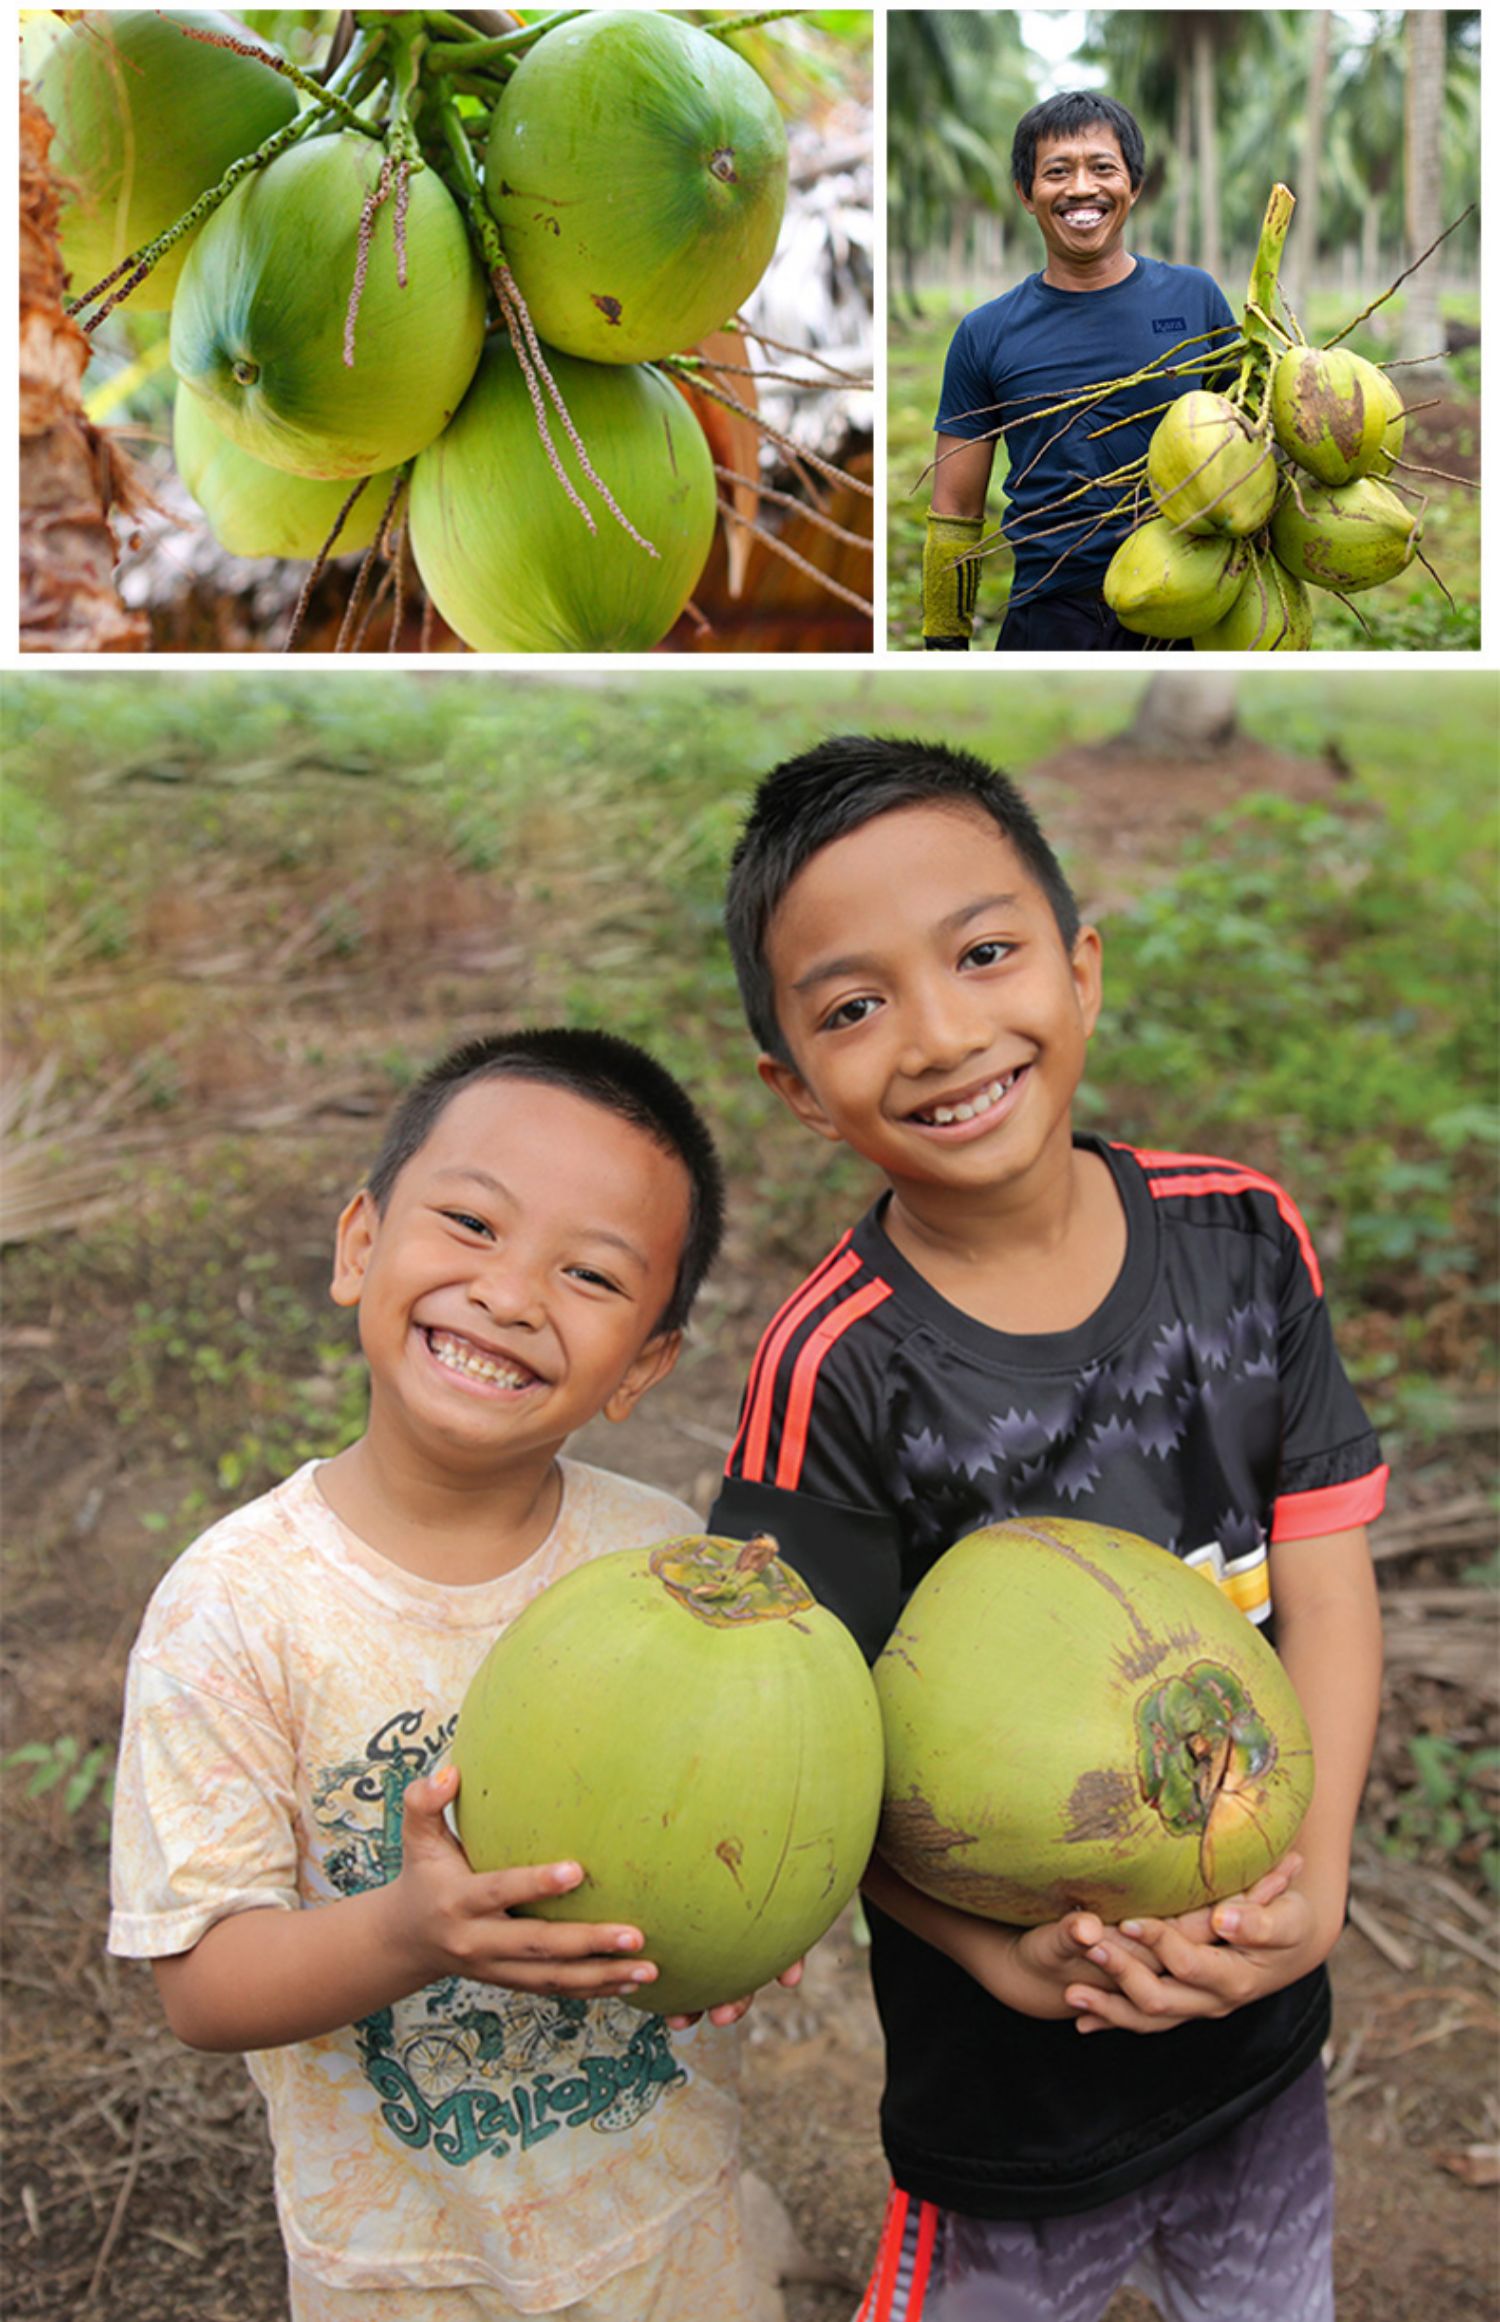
(1068, 114)
(604, 1070)
(807, 802)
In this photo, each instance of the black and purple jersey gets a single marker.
(1202, 1405)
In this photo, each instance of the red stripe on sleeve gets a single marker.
(805, 1378)
(760, 1395)
(1230, 1178)
(1336, 1508)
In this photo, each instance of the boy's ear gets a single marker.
(795, 1093)
(1088, 976)
(656, 1358)
(353, 1242)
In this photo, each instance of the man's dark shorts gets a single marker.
(1075, 624)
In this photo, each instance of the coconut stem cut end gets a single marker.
(728, 1583)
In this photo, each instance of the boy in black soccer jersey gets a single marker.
(1026, 1321)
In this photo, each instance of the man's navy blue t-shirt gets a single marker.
(1035, 347)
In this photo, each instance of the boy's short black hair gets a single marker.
(807, 802)
(1066, 115)
(604, 1070)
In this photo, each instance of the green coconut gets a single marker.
(637, 168)
(689, 1725)
(146, 119)
(1394, 438)
(505, 554)
(255, 510)
(1165, 583)
(1271, 614)
(1207, 470)
(261, 326)
(1075, 1720)
(1346, 537)
(1330, 410)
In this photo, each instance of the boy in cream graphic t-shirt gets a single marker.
(469, 2119)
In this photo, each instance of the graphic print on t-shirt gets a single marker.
(464, 2068)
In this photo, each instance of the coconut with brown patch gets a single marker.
(1330, 410)
(637, 168)
(1076, 1719)
(1345, 537)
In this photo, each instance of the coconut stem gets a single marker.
(325, 98)
(735, 24)
(140, 262)
(813, 516)
(698, 379)
(1356, 320)
(317, 568)
(463, 56)
(778, 547)
(1260, 300)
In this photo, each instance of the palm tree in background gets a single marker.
(958, 82)
(1170, 69)
(1426, 77)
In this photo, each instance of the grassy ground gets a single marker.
(1410, 613)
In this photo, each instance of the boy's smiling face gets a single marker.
(513, 1285)
(936, 1022)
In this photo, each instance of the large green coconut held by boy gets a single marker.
(1076, 1720)
(695, 1730)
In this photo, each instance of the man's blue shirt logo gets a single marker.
(1163, 323)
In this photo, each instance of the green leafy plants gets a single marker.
(1452, 1809)
(75, 1773)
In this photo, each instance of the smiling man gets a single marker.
(1020, 370)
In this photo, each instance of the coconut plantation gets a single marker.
(1291, 462)
(241, 920)
(355, 266)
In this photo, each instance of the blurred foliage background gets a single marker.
(239, 918)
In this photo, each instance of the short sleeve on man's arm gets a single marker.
(967, 406)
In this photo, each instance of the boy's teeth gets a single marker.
(456, 1354)
(943, 1116)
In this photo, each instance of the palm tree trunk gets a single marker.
(1208, 147)
(1303, 252)
(70, 472)
(1182, 206)
(1422, 324)
(1188, 715)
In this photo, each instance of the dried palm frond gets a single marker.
(59, 1167)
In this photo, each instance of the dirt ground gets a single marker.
(137, 2181)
